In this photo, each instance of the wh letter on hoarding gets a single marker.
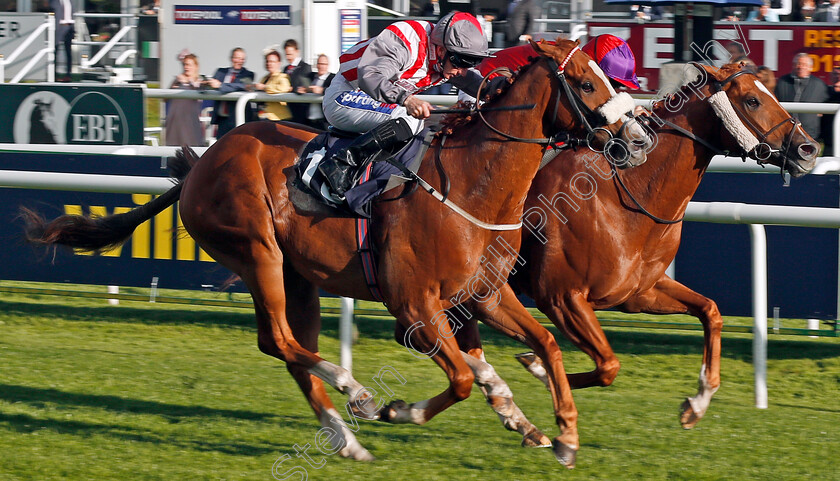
(95, 128)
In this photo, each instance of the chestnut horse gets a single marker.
(605, 242)
(239, 204)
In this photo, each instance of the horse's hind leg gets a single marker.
(576, 320)
(304, 315)
(494, 388)
(668, 296)
(421, 319)
(260, 265)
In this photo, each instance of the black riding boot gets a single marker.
(340, 169)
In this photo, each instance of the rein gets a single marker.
(574, 100)
(750, 145)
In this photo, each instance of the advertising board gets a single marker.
(769, 44)
(71, 114)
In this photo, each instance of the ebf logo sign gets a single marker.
(63, 114)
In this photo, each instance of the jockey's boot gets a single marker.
(340, 169)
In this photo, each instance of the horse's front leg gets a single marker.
(427, 334)
(510, 317)
(668, 296)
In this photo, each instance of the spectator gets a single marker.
(431, 9)
(767, 77)
(319, 81)
(64, 33)
(800, 86)
(828, 120)
(828, 12)
(235, 78)
(737, 53)
(646, 13)
(807, 11)
(520, 21)
(298, 72)
(151, 8)
(763, 14)
(183, 126)
(275, 82)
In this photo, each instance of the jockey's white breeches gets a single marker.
(353, 110)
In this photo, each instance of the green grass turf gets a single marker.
(170, 392)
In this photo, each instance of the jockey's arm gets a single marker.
(380, 66)
(470, 82)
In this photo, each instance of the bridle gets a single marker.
(587, 116)
(757, 148)
(750, 146)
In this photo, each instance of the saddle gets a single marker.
(373, 179)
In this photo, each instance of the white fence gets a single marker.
(756, 216)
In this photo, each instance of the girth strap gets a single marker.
(365, 247)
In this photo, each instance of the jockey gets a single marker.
(374, 91)
(611, 53)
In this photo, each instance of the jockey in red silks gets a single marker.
(611, 53)
(374, 90)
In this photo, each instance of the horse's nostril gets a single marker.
(808, 150)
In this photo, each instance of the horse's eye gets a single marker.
(587, 87)
(753, 103)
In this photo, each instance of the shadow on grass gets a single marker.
(624, 341)
(37, 397)
(127, 314)
(381, 328)
(23, 423)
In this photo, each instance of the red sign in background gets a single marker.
(773, 45)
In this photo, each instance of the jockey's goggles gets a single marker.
(463, 61)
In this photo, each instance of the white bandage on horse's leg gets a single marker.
(499, 396)
(723, 108)
(616, 107)
(343, 441)
(700, 402)
(337, 377)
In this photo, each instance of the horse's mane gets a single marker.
(455, 121)
(687, 87)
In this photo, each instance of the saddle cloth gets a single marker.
(382, 176)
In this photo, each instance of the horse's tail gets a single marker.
(104, 233)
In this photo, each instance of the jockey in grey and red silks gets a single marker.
(374, 90)
(379, 77)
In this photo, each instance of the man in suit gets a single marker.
(800, 86)
(828, 12)
(299, 73)
(64, 33)
(318, 82)
(235, 78)
(520, 21)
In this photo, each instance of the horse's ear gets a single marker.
(538, 46)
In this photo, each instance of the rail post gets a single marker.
(758, 239)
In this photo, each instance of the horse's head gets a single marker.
(592, 107)
(762, 129)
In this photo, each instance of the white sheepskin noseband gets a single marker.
(723, 108)
(617, 106)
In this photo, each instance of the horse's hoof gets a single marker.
(526, 358)
(688, 418)
(564, 453)
(359, 454)
(536, 439)
(363, 414)
(389, 412)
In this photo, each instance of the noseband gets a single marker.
(753, 147)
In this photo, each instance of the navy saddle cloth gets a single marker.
(378, 177)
